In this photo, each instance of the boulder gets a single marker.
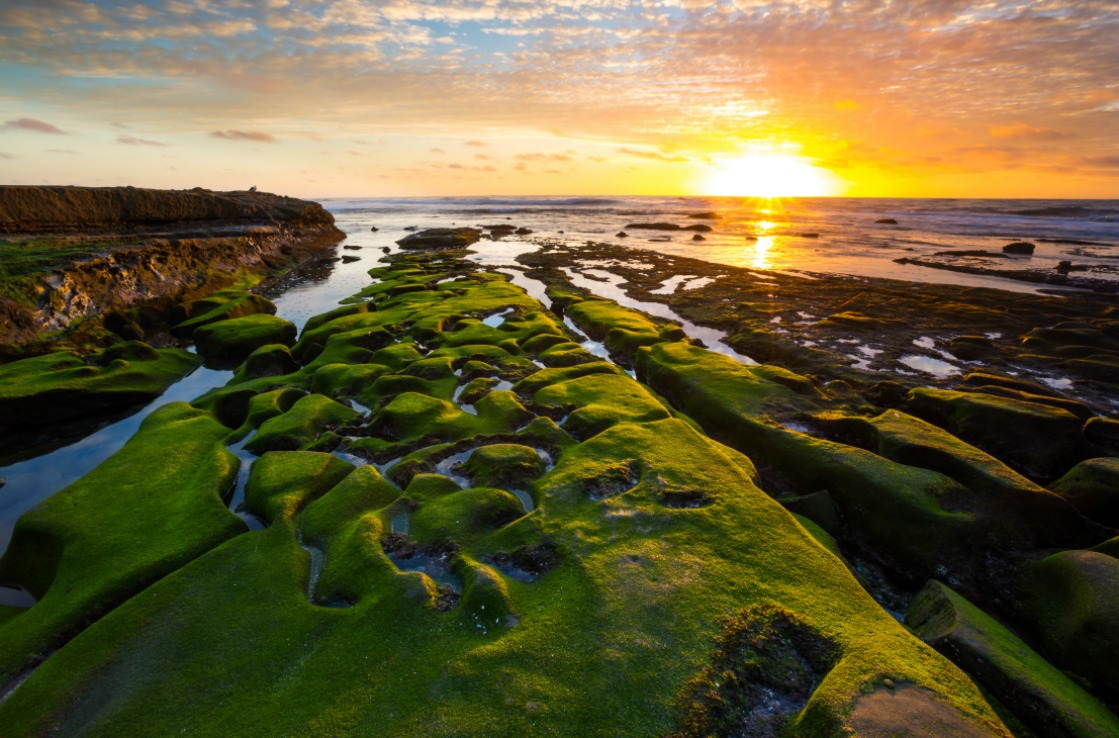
(441, 238)
(886, 221)
(1021, 248)
(1092, 486)
(1039, 694)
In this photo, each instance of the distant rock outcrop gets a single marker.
(441, 238)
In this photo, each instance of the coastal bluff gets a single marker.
(70, 255)
(47, 209)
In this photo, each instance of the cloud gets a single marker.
(1101, 162)
(437, 150)
(32, 124)
(64, 151)
(5, 156)
(1027, 132)
(475, 143)
(133, 141)
(543, 157)
(654, 155)
(259, 136)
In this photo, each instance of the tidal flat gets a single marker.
(525, 485)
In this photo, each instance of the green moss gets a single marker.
(1072, 605)
(300, 426)
(221, 306)
(24, 264)
(146, 511)
(1037, 693)
(505, 465)
(1037, 440)
(55, 387)
(1093, 487)
(270, 360)
(283, 482)
(234, 339)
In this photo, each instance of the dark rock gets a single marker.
(1019, 247)
(352, 248)
(347, 259)
(1038, 694)
(622, 234)
(1064, 267)
(1103, 433)
(698, 237)
(654, 226)
(886, 221)
(1092, 486)
(385, 249)
(709, 215)
(373, 229)
(810, 235)
(441, 238)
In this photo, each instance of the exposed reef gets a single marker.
(667, 498)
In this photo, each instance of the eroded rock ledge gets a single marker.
(77, 252)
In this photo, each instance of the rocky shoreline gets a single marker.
(451, 507)
(121, 256)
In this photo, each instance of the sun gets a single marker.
(770, 175)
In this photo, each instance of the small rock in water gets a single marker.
(386, 249)
(1019, 247)
(523, 231)
(347, 259)
(373, 229)
(886, 221)
(622, 234)
(698, 237)
(352, 248)
(810, 235)
(710, 215)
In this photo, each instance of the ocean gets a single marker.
(806, 235)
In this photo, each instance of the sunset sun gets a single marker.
(770, 175)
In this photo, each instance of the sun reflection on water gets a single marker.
(763, 245)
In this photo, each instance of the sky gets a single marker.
(329, 98)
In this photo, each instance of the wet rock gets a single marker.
(886, 221)
(1038, 694)
(709, 215)
(441, 238)
(698, 237)
(523, 231)
(270, 360)
(385, 249)
(621, 234)
(809, 235)
(698, 227)
(1021, 248)
(374, 229)
(352, 248)
(350, 259)
(1071, 602)
(1103, 434)
(1093, 487)
(233, 340)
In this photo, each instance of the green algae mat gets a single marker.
(468, 525)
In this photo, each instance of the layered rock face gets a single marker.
(85, 251)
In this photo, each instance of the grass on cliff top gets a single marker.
(23, 264)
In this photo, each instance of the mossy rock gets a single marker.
(56, 387)
(1037, 440)
(283, 482)
(1093, 487)
(146, 511)
(220, 306)
(270, 360)
(234, 339)
(301, 425)
(505, 465)
(1103, 434)
(1072, 605)
(1037, 693)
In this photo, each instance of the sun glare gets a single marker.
(770, 175)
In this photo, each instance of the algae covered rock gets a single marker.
(1038, 694)
(1072, 600)
(234, 339)
(47, 389)
(299, 426)
(441, 238)
(145, 511)
(1093, 487)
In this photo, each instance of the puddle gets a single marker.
(929, 365)
(924, 342)
(497, 319)
(859, 362)
(318, 559)
(1057, 383)
(695, 284)
(671, 284)
(400, 523)
(711, 337)
(447, 468)
(437, 567)
(868, 351)
(590, 345)
(13, 595)
(534, 287)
